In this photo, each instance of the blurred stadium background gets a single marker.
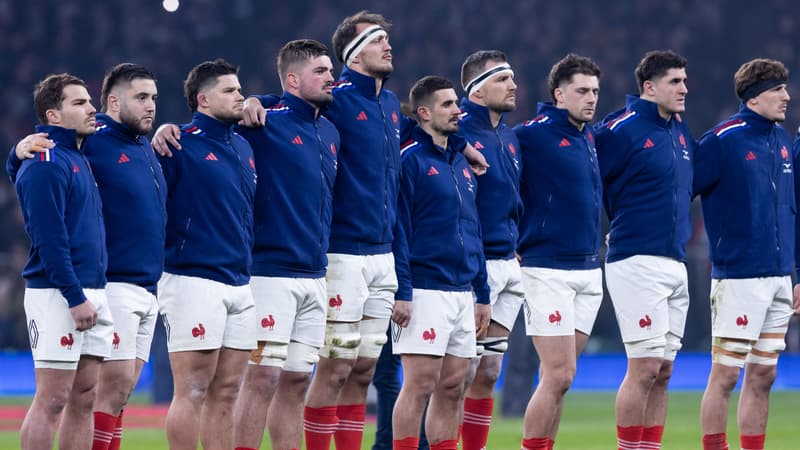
(85, 37)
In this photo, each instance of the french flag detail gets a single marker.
(729, 126)
(48, 155)
(407, 146)
(278, 108)
(342, 84)
(195, 130)
(614, 124)
(100, 126)
(538, 119)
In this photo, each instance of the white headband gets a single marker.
(359, 42)
(481, 79)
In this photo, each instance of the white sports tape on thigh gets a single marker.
(373, 336)
(766, 349)
(730, 352)
(269, 353)
(302, 357)
(495, 345)
(342, 340)
(648, 348)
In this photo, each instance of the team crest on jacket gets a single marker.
(468, 176)
(786, 165)
(333, 148)
(512, 149)
(394, 117)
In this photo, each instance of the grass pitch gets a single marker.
(587, 424)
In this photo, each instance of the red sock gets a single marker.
(477, 419)
(537, 443)
(753, 441)
(409, 443)
(350, 430)
(651, 438)
(550, 443)
(628, 438)
(116, 440)
(245, 448)
(318, 427)
(449, 444)
(103, 430)
(715, 442)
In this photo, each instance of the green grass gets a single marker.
(588, 424)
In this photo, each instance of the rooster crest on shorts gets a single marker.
(336, 302)
(555, 318)
(199, 331)
(429, 335)
(115, 341)
(268, 322)
(742, 321)
(645, 322)
(67, 341)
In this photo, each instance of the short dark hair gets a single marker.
(755, 71)
(121, 73)
(203, 75)
(298, 51)
(49, 93)
(656, 64)
(567, 67)
(346, 31)
(423, 89)
(474, 64)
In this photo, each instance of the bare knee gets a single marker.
(664, 374)
(338, 372)
(363, 372)
(559, 379)
(261, 380)
(760, 377)
(488, 370)
(451, 387)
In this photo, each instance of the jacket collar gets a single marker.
(300, 106)
(213, 127)
(479, 112)
(560, 118)
(364, 83)
(755, 120)
(105, 119)
(65, 137)
(426, 140)
(647, 110)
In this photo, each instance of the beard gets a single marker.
(135, 124)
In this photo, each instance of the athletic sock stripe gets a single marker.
(325, 428)
(486, 422)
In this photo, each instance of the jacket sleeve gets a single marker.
(13, 164)
(706, 165)
(796, 161)
(403, 231)
(268, 100)
(43, 190)
(170, 166)
(480, 284)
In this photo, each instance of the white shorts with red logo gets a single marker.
(135, 311)
(650, 295)
(560, 302)
(202, 314)
(743, 308)
(290, 309)
(55, 343)
(505, 290)
(442, 322)
(360, 285)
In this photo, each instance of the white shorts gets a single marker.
(442, 322)
(202, 314)
(560, 302)
(55, 343)
(744, 308)
(505, 290)
(650, 295)
(135, 311)
(360, 285)
(290, 309)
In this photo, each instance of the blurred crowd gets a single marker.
(430, 37)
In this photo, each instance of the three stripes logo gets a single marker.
(211, 157)
(649, 144)
(297, 140)
(432, 171)
(123, 159)
(361, 116)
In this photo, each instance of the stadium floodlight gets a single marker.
(171, 5)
